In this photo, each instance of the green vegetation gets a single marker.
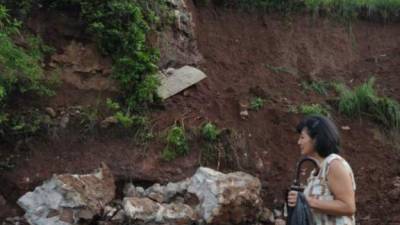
(280, 69)
(126, 120)
(138, 124)
(210, 132)
(319, 87)
(348, 9)
(313, 109)
(211, 145)
(257, 103)
(354, 8)
(177, 144)
(363, 100)
(21, 75)
(284, 6)
(120, 29)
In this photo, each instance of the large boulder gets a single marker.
(67, 198)
(232, 198)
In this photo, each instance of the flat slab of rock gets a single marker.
(64, 199)
(177, 80)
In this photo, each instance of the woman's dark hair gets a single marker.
(324, 132)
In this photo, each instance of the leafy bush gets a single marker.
(353, 103)
(313, 109)
(126, 120)
(363, 100)
(120, 28)
(256, 103)
(387, 112)
(210, 132)
(21, 74)
(177, 144)
(319, 87)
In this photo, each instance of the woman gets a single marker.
(331, 193)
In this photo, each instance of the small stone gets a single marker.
(259, 164)
(266, 216)
(64, 121)
(244, 114)
(85, 214)
(169, 71)
(345, 128)
(118, 216)
(244, 104)
(108, 122)
(51, 112)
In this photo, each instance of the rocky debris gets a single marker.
(131, 191)
(64, 121)
(209, 197)
(109, 121)
(166, 193)
(65, 199)
(232, 198)
(394, 194)
(266, 216)
(14, 221)
(147, 210)
(345, 128)
(114, 213)
(244, 114)
(51, 112)
(244, 109)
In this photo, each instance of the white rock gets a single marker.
(232, 198)
(64, 199)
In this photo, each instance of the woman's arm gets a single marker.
(341, 185)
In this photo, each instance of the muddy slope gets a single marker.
(241, 55)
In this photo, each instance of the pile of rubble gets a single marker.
(208, 197)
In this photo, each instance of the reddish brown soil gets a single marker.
(238, 48)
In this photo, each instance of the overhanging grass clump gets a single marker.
(363, 100)
(348, 9)
(352, 8)
(313, 110)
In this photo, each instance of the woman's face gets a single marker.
(306, 143)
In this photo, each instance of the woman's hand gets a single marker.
(292, 198)
(311, 201)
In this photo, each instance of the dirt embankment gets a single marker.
(246, 55)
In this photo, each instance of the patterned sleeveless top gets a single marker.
(317, 186)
